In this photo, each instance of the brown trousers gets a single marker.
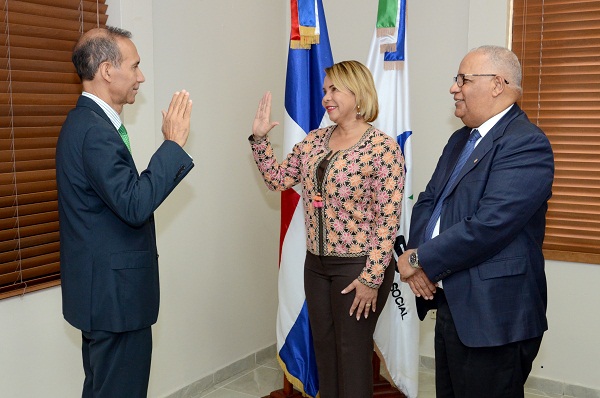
(343, 345)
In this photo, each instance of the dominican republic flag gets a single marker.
(304, 112)
(397, 333)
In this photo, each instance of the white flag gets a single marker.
(397, 332)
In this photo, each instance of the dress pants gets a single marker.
(476, 372)
(116, 365)
(343, 345)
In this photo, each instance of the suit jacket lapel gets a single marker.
(486, 143)
(89, 103)
(452, 159)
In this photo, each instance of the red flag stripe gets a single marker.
(289, 202)
(295, 32)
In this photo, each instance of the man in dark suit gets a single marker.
(475, 249)
(109, 260)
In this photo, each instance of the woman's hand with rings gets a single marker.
(364, 301)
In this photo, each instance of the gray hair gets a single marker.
(94, 49)
(507, 62)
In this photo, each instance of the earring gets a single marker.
(358, 115)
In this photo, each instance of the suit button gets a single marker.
(181, 169)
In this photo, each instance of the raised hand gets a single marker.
(176, 120)
(262, 124)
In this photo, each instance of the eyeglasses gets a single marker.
(460, 78)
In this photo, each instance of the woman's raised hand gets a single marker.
(262, 124)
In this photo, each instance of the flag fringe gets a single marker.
(387, 48)
(298, 45)
(382, 32)
(393, 65)
(295, 382)
(309, 40)
(307, 31)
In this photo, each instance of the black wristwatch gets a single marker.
(413, 259)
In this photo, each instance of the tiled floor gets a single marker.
(263, 379)
(258, 382)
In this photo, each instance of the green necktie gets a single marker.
(124, 136)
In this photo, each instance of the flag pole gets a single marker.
(308, 56)
(397, 332)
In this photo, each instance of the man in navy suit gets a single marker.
(478, 258)
(109, 260)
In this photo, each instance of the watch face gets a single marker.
(412, 259)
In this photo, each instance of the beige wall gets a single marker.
(218, 231)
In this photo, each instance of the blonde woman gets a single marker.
(352, 178)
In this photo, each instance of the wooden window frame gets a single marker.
(39, 87)
(558, 44)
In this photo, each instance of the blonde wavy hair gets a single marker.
(356, 78)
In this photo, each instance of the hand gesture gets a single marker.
(176, 120)
(262, 124)
(404, 268)
(416, 278)
(421, 285)
(365, 299)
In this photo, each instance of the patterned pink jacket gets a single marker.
(361, 195)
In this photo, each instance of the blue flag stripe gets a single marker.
(304, 80)
(402, 138)
(398, 55)
(298, 354)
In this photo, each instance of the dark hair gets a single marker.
(94, 49)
